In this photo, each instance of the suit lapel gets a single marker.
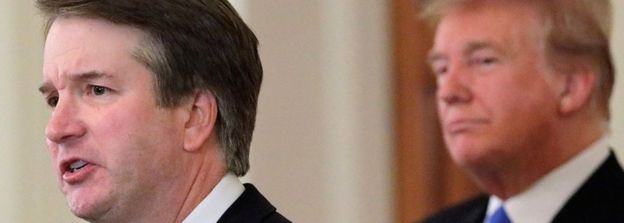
(477, 215)
(251, 206)
(600, 198)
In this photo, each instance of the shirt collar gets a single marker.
(546, 197)
(218, 200)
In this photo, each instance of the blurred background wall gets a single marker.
(617, 100)
(28, 192)
(323, 147)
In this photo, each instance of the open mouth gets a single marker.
(76, 166)
(75, 171)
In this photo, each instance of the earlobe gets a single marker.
(200, 125)
(577, 91)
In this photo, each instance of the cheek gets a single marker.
(115, 129)
(523, 112)
(140, 137)
(515, 97)
(116, 132)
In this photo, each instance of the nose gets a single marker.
(65, 123)
(454, 87)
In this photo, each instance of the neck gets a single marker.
(513, 176)
(207, 176)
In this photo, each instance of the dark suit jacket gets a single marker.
(599, 199)
(252, 207)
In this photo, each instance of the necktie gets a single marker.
(500, 216)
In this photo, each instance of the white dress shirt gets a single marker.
(541, 202)
(218, 200)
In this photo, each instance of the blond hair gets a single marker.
(576, 31)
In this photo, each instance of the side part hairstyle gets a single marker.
(190, 46)
(575, 32)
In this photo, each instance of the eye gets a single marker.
(487, 60)
(484, 60)
(98, 90)
(439, 68)
(439, 71)
(52, 101)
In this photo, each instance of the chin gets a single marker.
(477, 161)
(86, 206)
(464, 159)
(468, 155)
(83, 211)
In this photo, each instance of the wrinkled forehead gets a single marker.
(493, 18)
(80, 36)
(435, 10)
(80, 45)
(71, 28)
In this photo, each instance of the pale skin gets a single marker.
(506, 112)
(138, 162)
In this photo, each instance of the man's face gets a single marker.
(112, 148)
(495, 92)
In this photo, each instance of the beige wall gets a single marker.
(27, 190)
(617, 100)
(322, 150)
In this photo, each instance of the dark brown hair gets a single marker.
(191, 45)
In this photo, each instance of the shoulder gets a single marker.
(252, 207)
(600, 198)
(275, 217)
(472, 210)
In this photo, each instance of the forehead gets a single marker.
(507, 24)
(74, 31)
(78, 45)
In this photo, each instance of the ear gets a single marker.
(578, 89)
(201, 122)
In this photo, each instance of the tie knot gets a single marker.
(500, 216)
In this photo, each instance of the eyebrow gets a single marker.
(433, 56)
(81, 77)
(469, 49)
